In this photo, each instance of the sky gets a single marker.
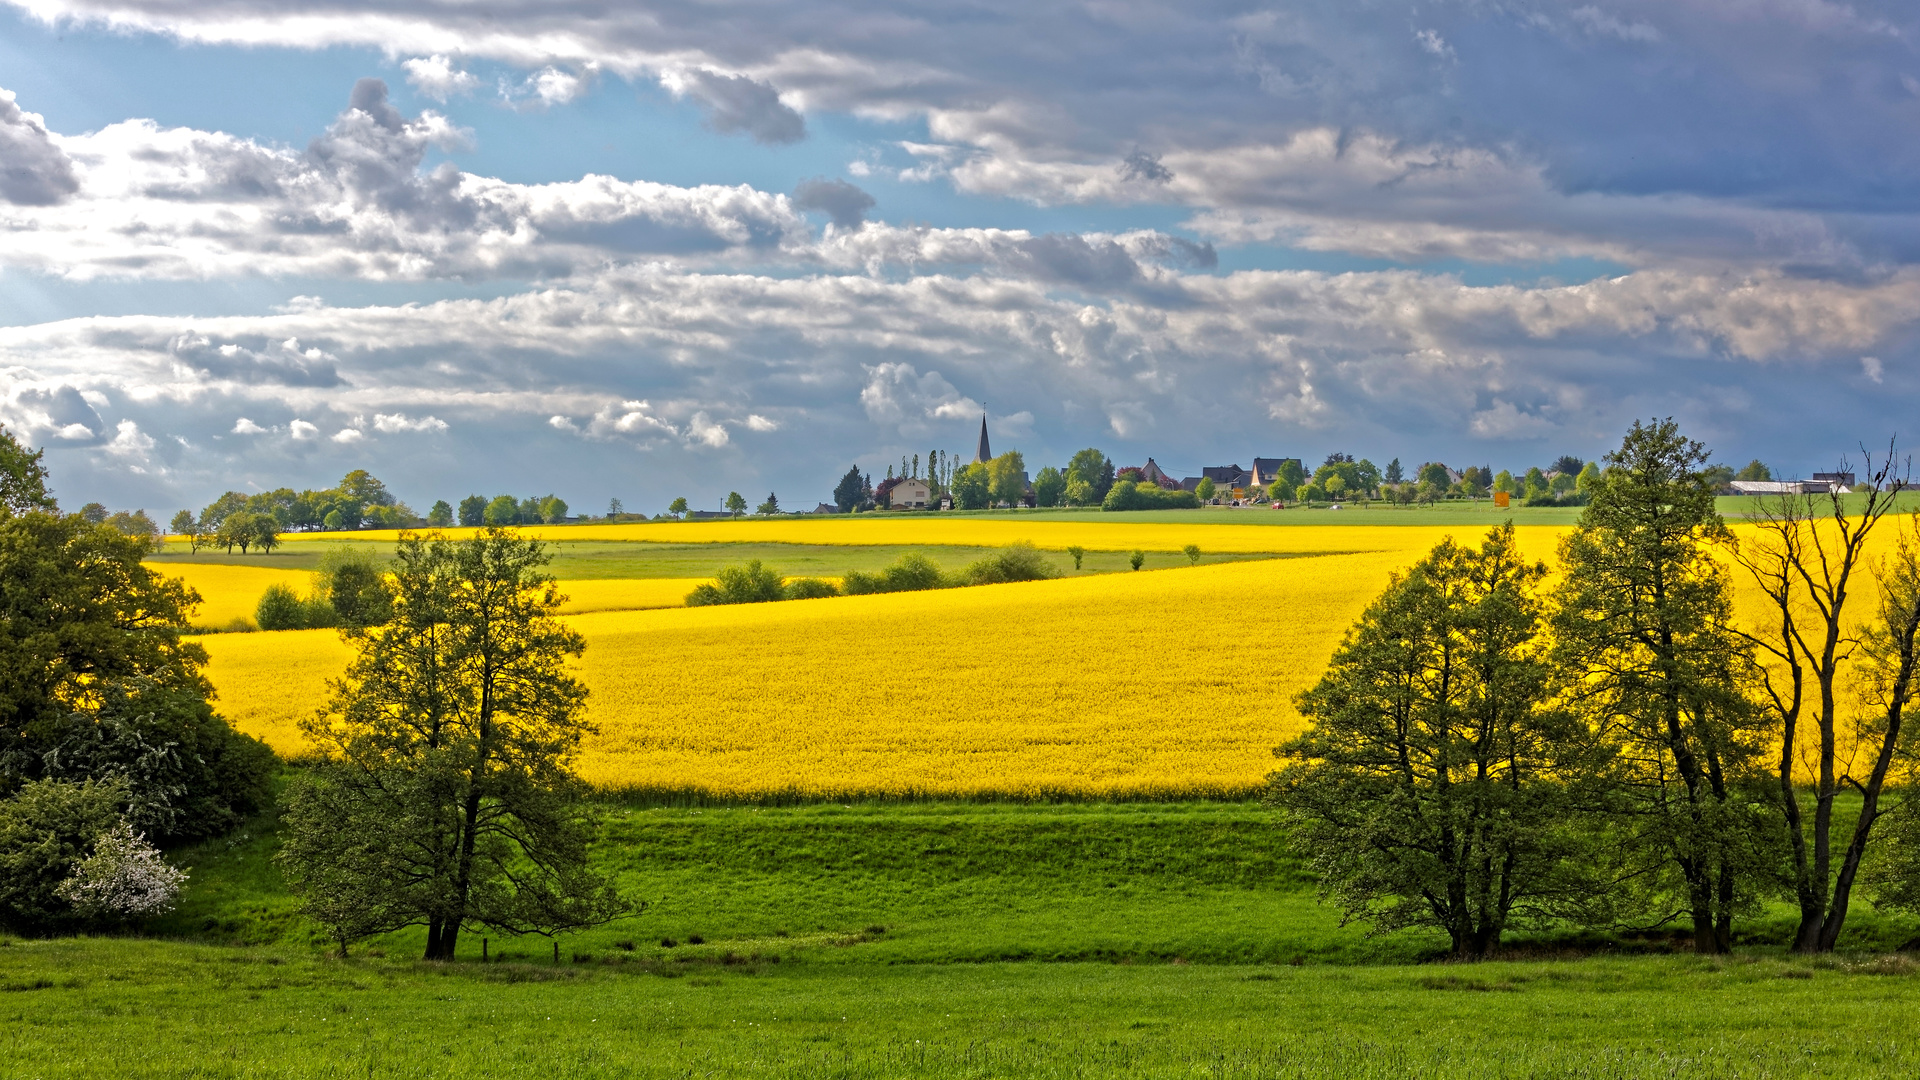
(640, 250)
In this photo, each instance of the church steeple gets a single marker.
(985, 453)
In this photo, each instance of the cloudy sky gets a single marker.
(646, 249)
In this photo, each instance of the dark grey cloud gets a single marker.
(255, 363)
(33, 171)
(739, 103)
(1792, 123)
(846, 204)
(1141, 165)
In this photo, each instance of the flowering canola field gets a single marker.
(230, 592)
(1164, 683)
(1113, 532)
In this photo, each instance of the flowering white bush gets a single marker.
(124, 877)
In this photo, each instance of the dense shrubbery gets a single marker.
(104, 722)
(757, 584)
(914, 572)
(350, 590)
(1127, 495)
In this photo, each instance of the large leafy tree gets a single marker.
(1005, 480)
(23, 479)
(96, 680)
(1436, 785)
(1644, 631)
(446, 796)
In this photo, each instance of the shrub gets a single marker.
(281, 609)
(188, 775)
(808, 588)
(912, 573)
(749, 584)
(1015, 562)
(124, 878)
(1127, 495)
(46, 830)
(352, 585)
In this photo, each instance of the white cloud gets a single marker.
(302, 430)
(756, 422)
(129, 441)
(393, 423)
(244, 426)
(359, 202)
(705, 431)
(548, 87)
(1872, 368)
(347, 436)
(438, 78)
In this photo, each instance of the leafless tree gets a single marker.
(1809, 557)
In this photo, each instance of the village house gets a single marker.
(910, 494)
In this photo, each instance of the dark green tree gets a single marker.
(847, 494)
(473, 511)
(441, 515)
(1754, 470)
(446, 796)
(1644, 633)
(1436, 785)
(1393, 475)
(736, 503)
(502, 511)
(678, 507)
(770, 507)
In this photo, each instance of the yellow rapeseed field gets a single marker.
(1097, 532)
(1162, 682)
(231, 592)
(1167, 682)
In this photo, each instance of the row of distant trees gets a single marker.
(1494, 745)
(1090, 476)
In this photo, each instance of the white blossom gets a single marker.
(124, 877)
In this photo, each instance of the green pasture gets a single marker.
(117, 1008)
(936, 940)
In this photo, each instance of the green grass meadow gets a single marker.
(934, 939)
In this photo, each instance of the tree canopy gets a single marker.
(446, 796)
(1433, 786)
